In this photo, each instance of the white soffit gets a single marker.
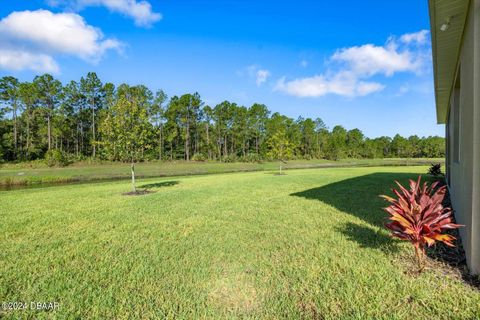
(446, 45)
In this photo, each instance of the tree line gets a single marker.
(90, 119)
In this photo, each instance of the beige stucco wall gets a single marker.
(464, 175)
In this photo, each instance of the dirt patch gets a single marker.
(234, 293)
(309, 310)
(137, 193)
(439, 268)
(451, 261)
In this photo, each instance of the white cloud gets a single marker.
(255, 72)
(419, 37)
(261, 76)
(39, 35)
(140, 11)
(343, 84)
(19, 60)
(350, 69)
(57, 32)
(370, 60)
(365, 88)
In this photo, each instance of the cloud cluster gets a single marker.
(260, 75)
(31, 39)
(343, 84)
(16, 60)
(420, 37)
(140, 11)
(369, 60)
(351, 69)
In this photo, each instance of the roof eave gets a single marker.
(443, 92)
(433, 35)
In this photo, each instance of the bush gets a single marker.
(199, 157)
(150, 155)
(252, 157)
(72, 157)
(55, 158)
(417, 215)
(307, 157)
(435, 170)
(332, 155)
(230, 158)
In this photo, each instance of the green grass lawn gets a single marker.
(38, 173)
(306, 245)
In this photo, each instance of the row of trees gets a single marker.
(89, 118)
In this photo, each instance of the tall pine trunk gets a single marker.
(187, 142)
(49, 133)
(81, 131)
(28, 134)
(160, 144)
(15, 140)
(77, 144)
(208, 144)
(93, 129)
(225, 147)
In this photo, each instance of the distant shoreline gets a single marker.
(14, 176)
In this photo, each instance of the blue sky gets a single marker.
(361, 64)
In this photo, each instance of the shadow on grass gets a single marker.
(159, 184)
(369, 237)
(359, 197)
(137, 193)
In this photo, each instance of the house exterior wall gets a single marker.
(464, 134)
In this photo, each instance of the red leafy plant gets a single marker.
(418, 216)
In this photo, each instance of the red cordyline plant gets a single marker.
(418, 216)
